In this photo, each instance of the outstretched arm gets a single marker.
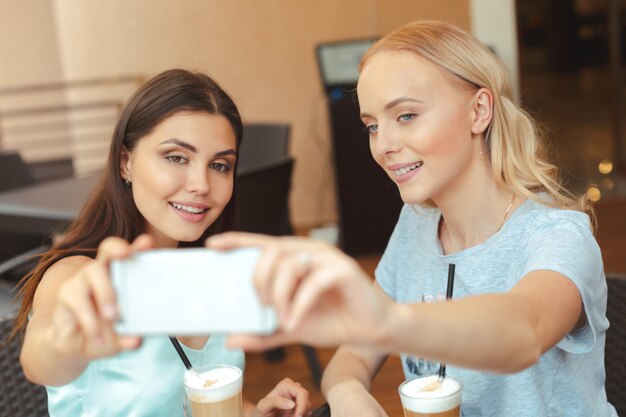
(72, 317)
(502, 333)
(325, 299)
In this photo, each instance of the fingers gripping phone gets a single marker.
(190, 292)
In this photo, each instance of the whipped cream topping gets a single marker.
(213, 385)
(428, 395)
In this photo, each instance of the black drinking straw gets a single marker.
(449, 289)
(181, 353)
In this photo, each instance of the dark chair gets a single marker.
(262, 206)
(52, 169)
(262, 197)
(7, 292)
(15, 247)
(263, 143)
(14, 268)
(615, 350)
(14, 172)
(18, 397)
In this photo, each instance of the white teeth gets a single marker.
(194, 210)
(410, 168)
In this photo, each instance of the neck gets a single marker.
(473, 211)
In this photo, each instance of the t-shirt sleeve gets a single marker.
(568, 247)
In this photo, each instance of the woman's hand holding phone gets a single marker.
(322, 296)
(85, 309)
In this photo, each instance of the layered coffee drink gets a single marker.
(214, 391)
(430, 397)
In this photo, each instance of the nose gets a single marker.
(384, 143)
(198, 181)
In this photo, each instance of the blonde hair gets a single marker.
(518, 156)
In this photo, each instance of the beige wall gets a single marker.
(261, 51)
(29, 55)
(28, 43)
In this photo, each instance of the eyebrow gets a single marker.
(226, 152)
(180, 143)
(394, 103)
(193, 149)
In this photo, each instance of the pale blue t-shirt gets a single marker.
(147, 382)
(568, 380)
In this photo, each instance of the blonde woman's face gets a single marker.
(420, 124)
(182, 175)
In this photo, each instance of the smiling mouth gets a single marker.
(188, 209)
(410, 168)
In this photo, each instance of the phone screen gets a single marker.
(190, 292)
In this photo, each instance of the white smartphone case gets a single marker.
(190, 292)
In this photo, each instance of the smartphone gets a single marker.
(190, 292)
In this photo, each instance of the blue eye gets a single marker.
(406, 117)
(372, 129)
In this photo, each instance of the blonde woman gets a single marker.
(525, 331)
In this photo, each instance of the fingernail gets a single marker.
(289, 404)
(108, 311)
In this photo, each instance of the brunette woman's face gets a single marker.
(182, 175)
(419, 121)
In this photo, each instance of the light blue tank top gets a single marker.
(146, 382)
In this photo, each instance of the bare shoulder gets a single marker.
(64, 268)
(52, 279)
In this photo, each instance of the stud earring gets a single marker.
(127, 183)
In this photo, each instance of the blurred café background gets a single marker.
(66, 67)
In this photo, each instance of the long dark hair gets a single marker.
(110, 210)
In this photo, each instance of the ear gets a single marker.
(125, 164)
(482, 110)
